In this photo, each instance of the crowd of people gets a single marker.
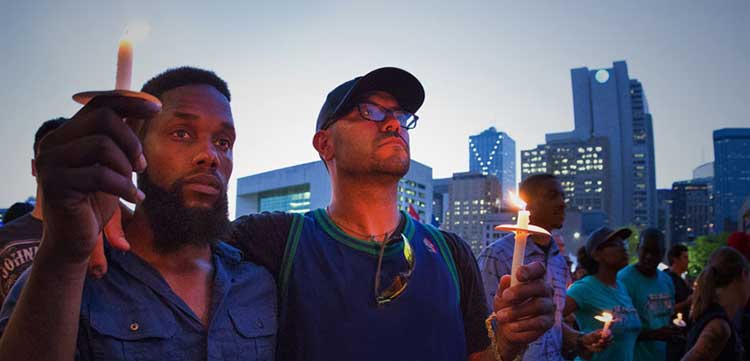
(656, 316)
(174, 279)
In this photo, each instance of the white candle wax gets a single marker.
(124, 65)
(519, 249)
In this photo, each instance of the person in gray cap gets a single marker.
(605, 254)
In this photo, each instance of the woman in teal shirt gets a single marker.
(605, 253)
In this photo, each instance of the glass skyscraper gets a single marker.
(608, 104)
(494, 153)
(731, 175)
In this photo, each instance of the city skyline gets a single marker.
(483, 64)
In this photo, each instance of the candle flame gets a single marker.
(605, 317)
(136, 31)
(516, 200)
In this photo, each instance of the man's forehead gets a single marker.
(195, 101)
(381, 97)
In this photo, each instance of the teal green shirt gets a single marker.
(653, 297)
(593, 298)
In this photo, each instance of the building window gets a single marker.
(295, 199)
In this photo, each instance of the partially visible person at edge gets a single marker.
(600, 291)
(652, 293)
(359, 280)
(741, 242)
(546, 203)
(678, 259)
(180, 293)
(723, 290)
(19, 239)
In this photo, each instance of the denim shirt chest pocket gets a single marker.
(134, 334)
(255, 333)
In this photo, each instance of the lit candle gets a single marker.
(605, 317)
(679, 322)
(124, 65)
(519, 248)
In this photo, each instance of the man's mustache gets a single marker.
(387, 135)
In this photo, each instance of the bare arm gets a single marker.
(44, 324)
(570, 306)
(570, 336)
(710, 343)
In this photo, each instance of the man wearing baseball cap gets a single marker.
(361, 280)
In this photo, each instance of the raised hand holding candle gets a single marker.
(519, 249)
(124, 65)
(124, 74)
(522, 229)
(607, 318)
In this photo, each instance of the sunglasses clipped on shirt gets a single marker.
(399, 283)
(376, 113)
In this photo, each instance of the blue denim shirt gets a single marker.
(495, 261)
(133, 314)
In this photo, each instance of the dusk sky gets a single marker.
(482, 63)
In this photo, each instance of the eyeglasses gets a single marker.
(376, 113)
(398, 285)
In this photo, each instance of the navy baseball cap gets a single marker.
(604, 234)
(403, 86)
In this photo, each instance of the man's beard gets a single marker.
(174, 225)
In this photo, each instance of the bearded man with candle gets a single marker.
(180, 293)
(546, 206)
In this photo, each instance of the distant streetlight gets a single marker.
(576, 235)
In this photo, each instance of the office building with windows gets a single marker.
(471, 197)
(731, 175)
(611, 111)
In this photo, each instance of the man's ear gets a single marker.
(323, 143)
(33, 167)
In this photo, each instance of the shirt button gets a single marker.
(134, 326)
(259, 323)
